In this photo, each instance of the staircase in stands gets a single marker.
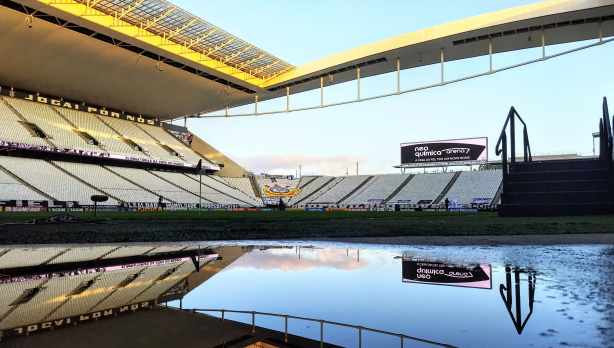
(557, 187)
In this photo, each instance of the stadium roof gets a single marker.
(151, 58)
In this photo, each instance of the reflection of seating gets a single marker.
(518, 323)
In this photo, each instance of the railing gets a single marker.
(322, 322)
(511, 116)
(605, 133)
(606, 148)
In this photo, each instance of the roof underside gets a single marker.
(172, 64)
(164, 19)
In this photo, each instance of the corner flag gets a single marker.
(199, 167)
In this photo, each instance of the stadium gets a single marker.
(95, 100)
(66, 139)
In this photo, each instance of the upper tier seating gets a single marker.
(12, 129)
(59, 132)
(51, 296)
(61, 125)
(476, 184)
(104, 284)
(109, 139)
(130, 130)
(423, 187)
(171, 141)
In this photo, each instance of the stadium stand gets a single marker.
(163, 137)
(51, 295)
(51, 180)
(79, 254)
(149, 145)
(168, 248)
(108, 181)
(180, 271)
(59, 132)
(12, 129)
(308, 188)
(104, 283)
(244, 185)
(223, 187)
(128, 251)
(475, 184)
(264, 181)
(126, 294)
(10, 189)
(10, 293)
(156, 185)
(14, 257)
(423, 187)
(336, 191)
(108, 138)
(379, 188)
(213, 191)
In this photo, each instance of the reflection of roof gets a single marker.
(150, 58)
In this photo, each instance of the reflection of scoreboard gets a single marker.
(437, 273)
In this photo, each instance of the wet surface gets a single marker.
(564, 293)
(465, 296)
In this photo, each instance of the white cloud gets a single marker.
(289, 163)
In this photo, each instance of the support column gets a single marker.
(321, 91)
(358, 80)
(398, 75)
(287, 99)
(543, 43)
(256, 104)
(442, 66)
(490, 52)
(600, 32)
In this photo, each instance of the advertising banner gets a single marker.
(15, 209)
(271, 200)
(31, 203)
(21, 146)
(425, 272)
(275, 176)
(458, 150)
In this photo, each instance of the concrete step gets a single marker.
(561, 185)
(564, 175)
(563, 209)
(568, 197)
(548, 166)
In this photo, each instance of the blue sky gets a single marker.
(560, 98)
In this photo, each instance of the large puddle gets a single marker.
(478, 296)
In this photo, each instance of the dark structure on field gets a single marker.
(556, 188)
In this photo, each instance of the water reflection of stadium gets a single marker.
(51, 288)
